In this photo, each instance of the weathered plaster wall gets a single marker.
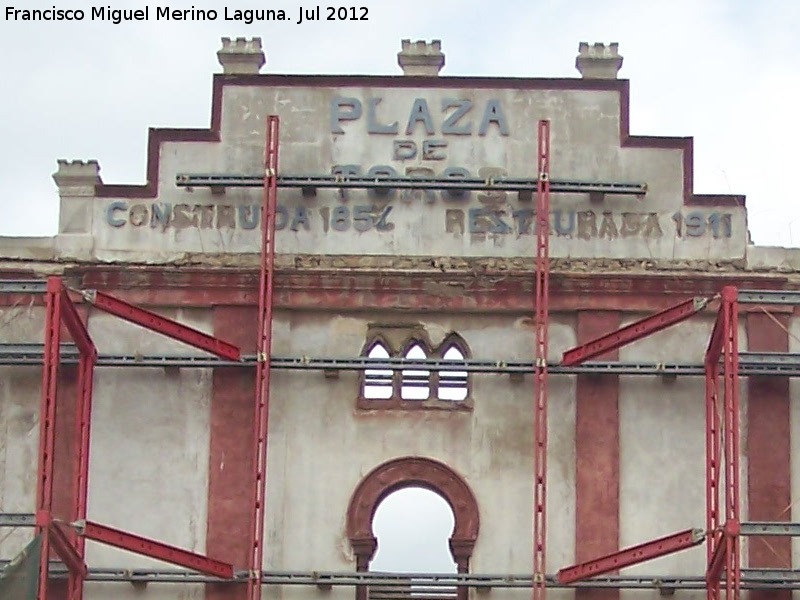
(321, 446)
(20, 397)
(149, 456)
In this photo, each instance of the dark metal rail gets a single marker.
(751, 579)
(497, 184)
(23, 286)
(751, 363)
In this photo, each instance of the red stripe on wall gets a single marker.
(769, 450)
(597, 454)
(230, 460)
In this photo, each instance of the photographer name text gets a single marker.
(117, 16)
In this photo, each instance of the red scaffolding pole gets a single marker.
(261, 418)
(730, 376)
(86, 363)
(540, 373)
(81, 463)
(47, 425)
(722, 450)
(713, 480)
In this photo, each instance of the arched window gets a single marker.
(415, 384)
(410, 386)
(452, 384)
(378, 383)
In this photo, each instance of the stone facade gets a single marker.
(170, 446)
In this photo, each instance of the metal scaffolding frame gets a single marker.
(722, 429)
(541, 325)
(67, 538)
(723, 529)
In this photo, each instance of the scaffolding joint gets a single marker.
(701, 302)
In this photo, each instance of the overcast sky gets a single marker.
(724, 71)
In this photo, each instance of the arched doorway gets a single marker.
(406, 472)
(413, 526)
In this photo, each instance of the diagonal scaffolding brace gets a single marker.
(162, 325)
(632, 556)
(154, 549)
(61, 540)
(635, 331)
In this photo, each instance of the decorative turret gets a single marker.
(598, 61)
(76, 181)
(421, 58)
(241, 56)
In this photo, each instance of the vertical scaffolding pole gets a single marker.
(713, 455)
(730, 375)
(47, 425)
(83, 420)
(261, 422)
(540, 371)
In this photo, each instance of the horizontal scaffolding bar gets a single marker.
(17, 520)
(23, 286)
(154, 549)
(751, 579)
(769, 297)
(632, 556)
(751, 363)
(769, 528)
(503, 184)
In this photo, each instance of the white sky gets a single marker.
(413, 526)
(726, 72)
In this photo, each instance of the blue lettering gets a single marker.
(112, 208)
(372, 125)
(462, 107)
(493, 114)
(249, 216)
(161, 214)
(420, 113)
(344, 109)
